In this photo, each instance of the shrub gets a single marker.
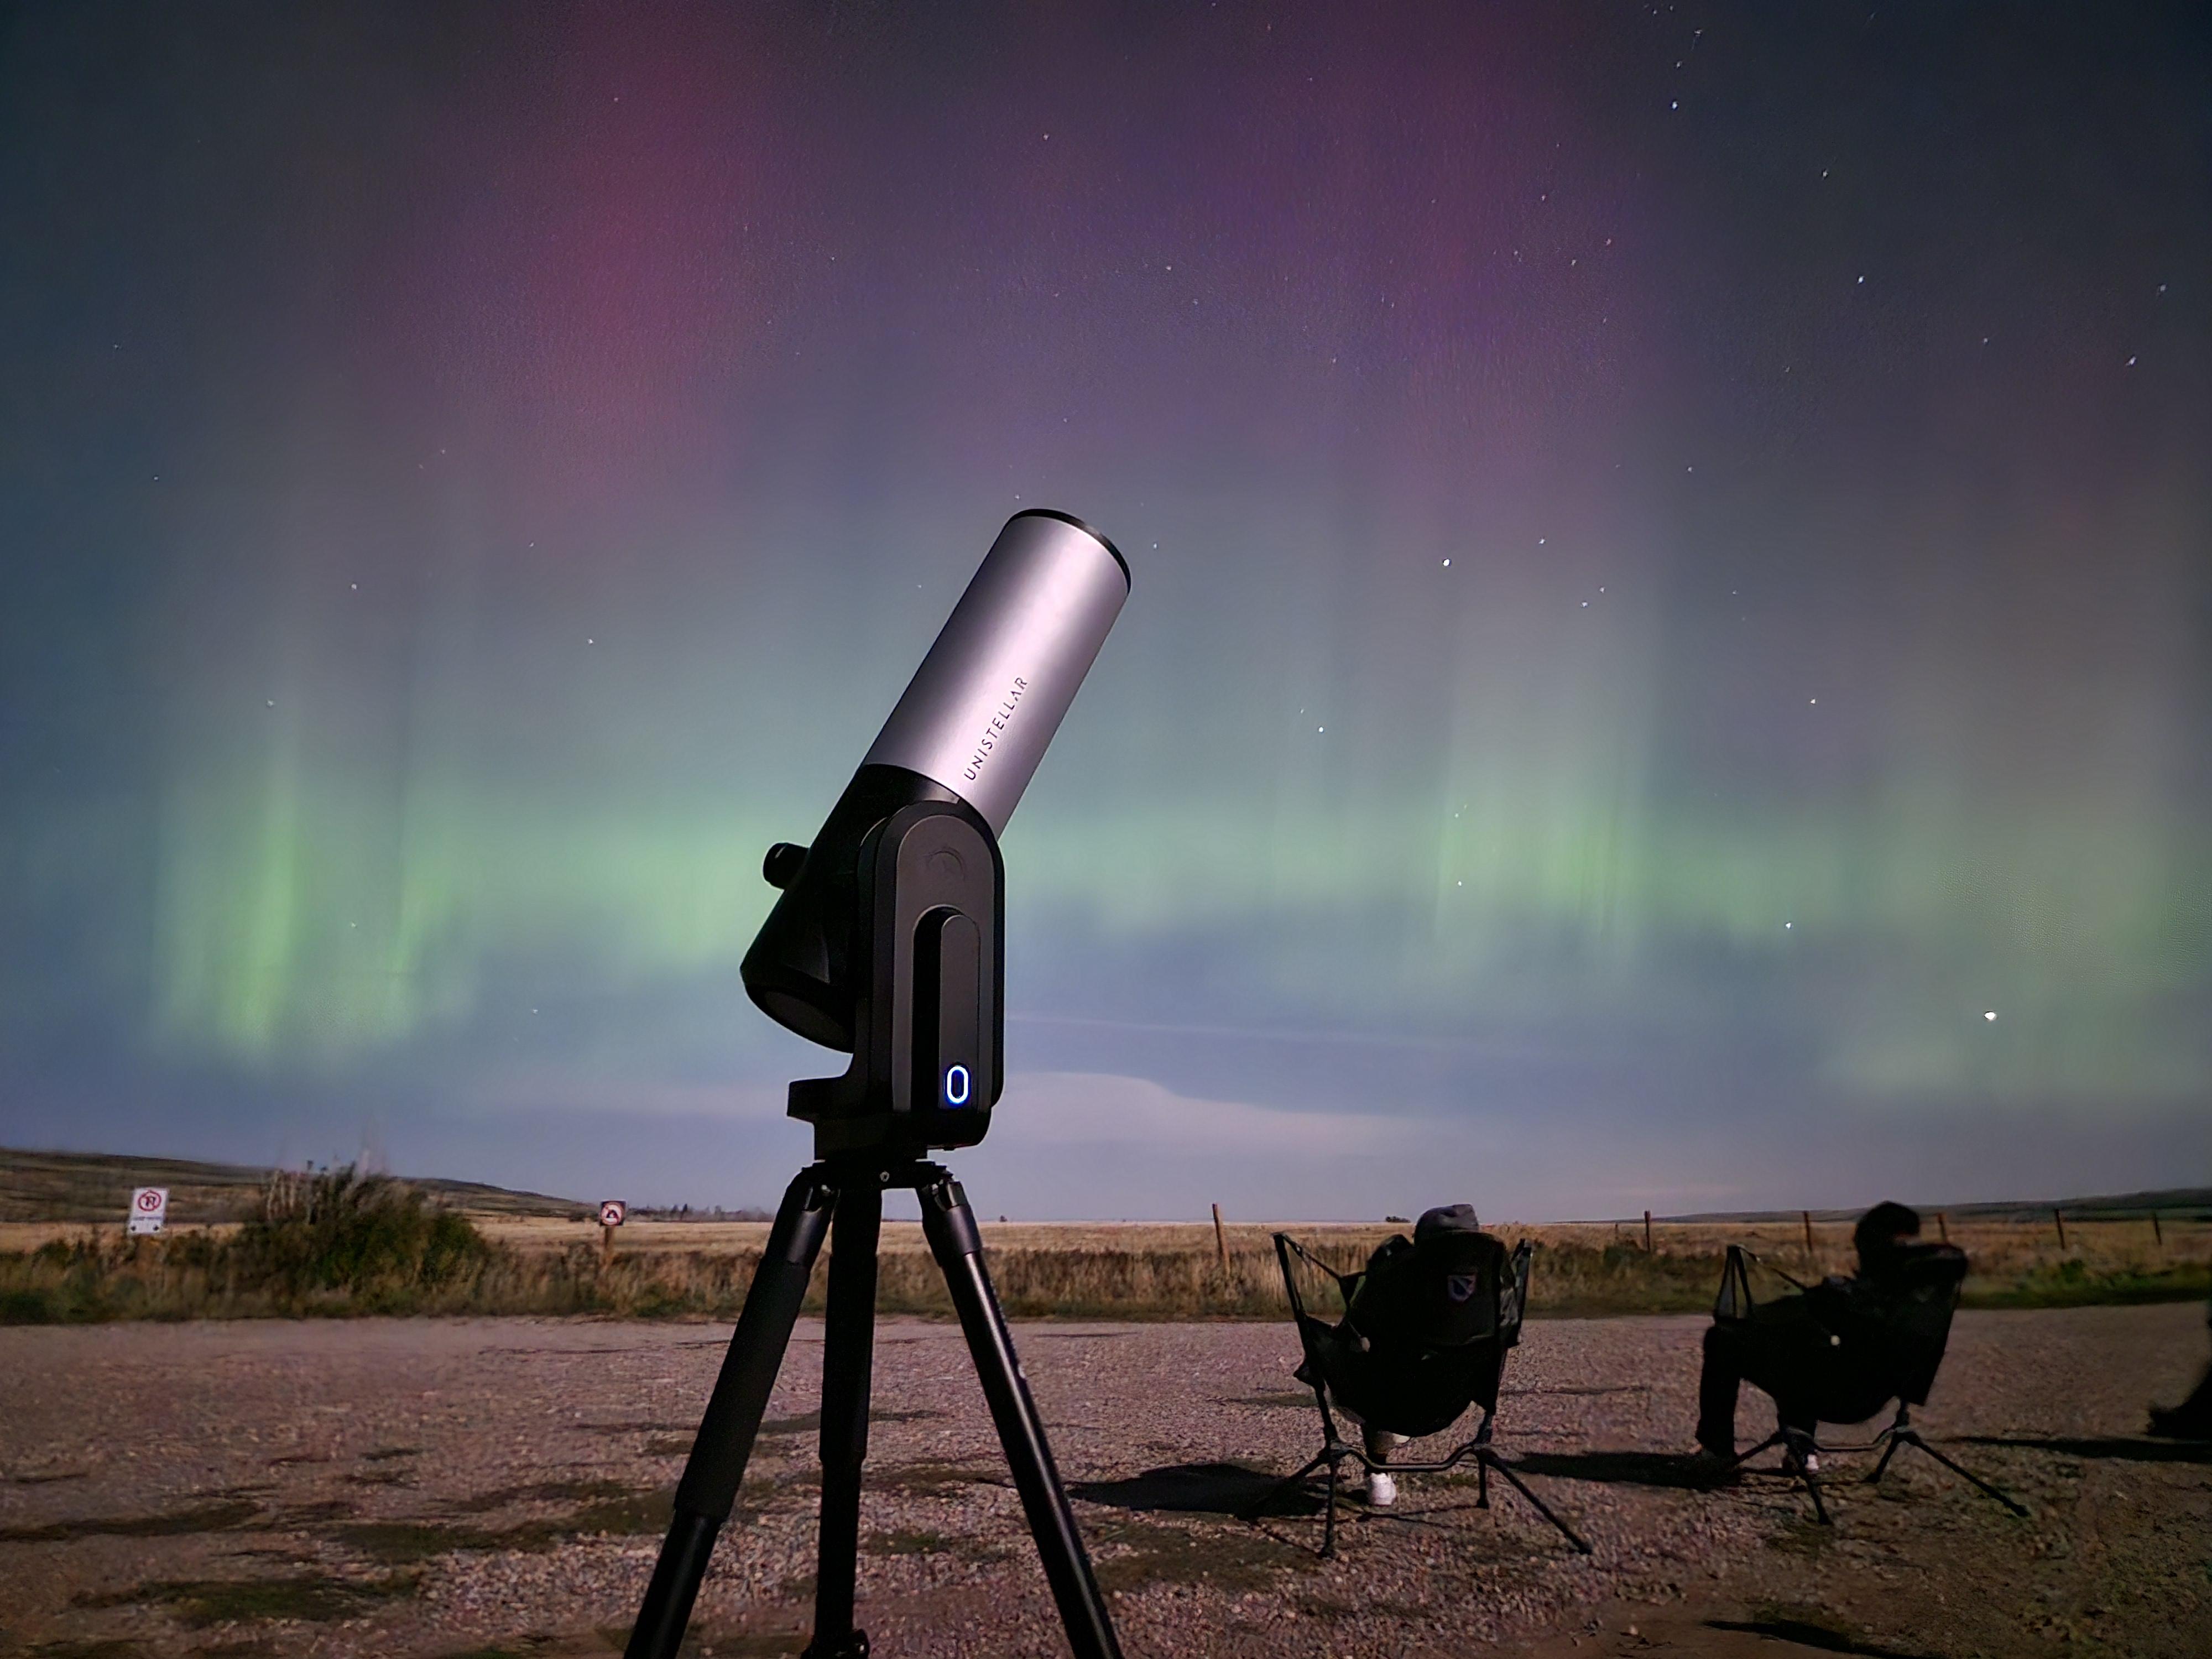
(372, 1240)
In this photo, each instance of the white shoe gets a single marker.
(1382, 1490)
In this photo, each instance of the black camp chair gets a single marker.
(1414, 1350)
(1838, 1354)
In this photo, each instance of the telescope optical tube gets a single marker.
(969, 730)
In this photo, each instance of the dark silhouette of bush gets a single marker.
(376, 1242)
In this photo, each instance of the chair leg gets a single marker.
(1284, 1485)
(1771, 1441)
(1799, 1450)
(1813, 1489)
(1481, 1480)
(1896, 1438)
(1960, 1470)
(1487, 1457)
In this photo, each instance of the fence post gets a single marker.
(2059, 1216)
(1807, 1217)
(2157, 1232)
(1942, 1226)
(1647, 1232)
(1220, 1239)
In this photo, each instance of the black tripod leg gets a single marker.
(847, 1360)
(1968, 1474)
(1491, 1460)
(708, 1490)
(950, 1225)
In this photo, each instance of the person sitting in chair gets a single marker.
(1414, 1298)
(1782, 1342)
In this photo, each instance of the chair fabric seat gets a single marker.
(1841, 1350)
(1412, 1392)
(1425, 1331)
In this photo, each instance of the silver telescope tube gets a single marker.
(970, 729)
(981, 709)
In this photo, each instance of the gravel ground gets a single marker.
(496, 1486)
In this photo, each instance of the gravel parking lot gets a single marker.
(497, 1486)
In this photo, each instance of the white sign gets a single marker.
(149, 1208)
(611, 1213)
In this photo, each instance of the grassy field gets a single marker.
(505, 1264)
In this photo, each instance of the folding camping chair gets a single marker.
(1839, 1356)
(1414, 1367)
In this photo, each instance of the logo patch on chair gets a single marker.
(1460, 1286)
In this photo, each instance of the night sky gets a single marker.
(1673, 581)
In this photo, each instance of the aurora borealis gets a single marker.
(1673, 578)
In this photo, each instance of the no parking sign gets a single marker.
(149, 1208)
(612, 1212)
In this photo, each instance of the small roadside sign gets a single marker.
(611, 1211)
(149, 1208)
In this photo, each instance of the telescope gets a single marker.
(887, 941)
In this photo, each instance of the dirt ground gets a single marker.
(496, 1488)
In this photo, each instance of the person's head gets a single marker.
(1883, 1228)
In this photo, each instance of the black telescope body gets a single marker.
(888, 941)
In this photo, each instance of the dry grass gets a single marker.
(1141, 1271)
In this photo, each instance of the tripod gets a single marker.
(850, 1190)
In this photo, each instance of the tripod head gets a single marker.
(888, 941)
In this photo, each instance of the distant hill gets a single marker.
(85, 1187)
(2194, 1203)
